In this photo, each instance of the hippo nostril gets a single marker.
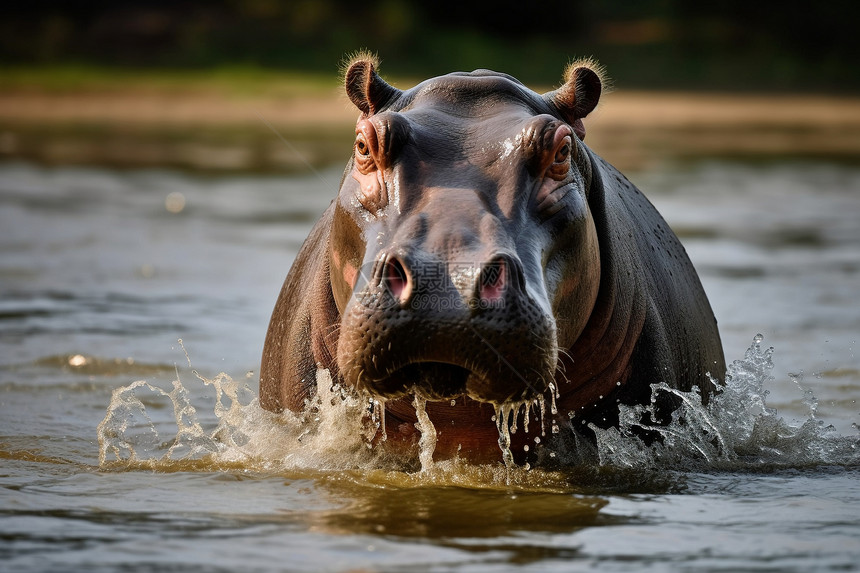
(493, 281)
(396, 279)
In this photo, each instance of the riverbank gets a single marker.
(269, 122)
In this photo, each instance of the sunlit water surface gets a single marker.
(124, 448)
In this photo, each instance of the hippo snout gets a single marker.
(447, 328)
(479, 287)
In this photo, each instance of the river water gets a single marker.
(124, 296)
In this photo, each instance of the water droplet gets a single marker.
(758, 338)
(504, 437)
(542, 415)
(537, 439)
(528, 407)
(526, 448)
(453, 402)
(381, 417)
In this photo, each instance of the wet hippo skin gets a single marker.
(478, 253)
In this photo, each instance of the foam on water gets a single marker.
(340, 430)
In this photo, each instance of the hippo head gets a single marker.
(463, 255)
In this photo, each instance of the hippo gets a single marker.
(480, 257)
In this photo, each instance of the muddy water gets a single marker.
(125, 449)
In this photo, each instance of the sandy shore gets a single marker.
(217, 132)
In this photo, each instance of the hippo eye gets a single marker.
(364, 151)
(563, 153)
(560, 165)
(361, 147)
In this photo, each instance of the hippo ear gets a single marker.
(579, 94)
(365, 88)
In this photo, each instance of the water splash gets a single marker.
(140, 443)
(175, 430)
(377, 422)
(427, 443)
(332, 433)
(736, 430)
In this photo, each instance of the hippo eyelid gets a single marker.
(543, 140)
(366, 147)
(379, 140)
(561, 152)
(361, 146)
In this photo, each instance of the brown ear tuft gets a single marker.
(365, 88)
(584, 80)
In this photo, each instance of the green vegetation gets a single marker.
(226, 80)
(730, 45)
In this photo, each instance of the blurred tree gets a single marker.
(732, 44)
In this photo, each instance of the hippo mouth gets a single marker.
(444, 381)
(437, 380)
